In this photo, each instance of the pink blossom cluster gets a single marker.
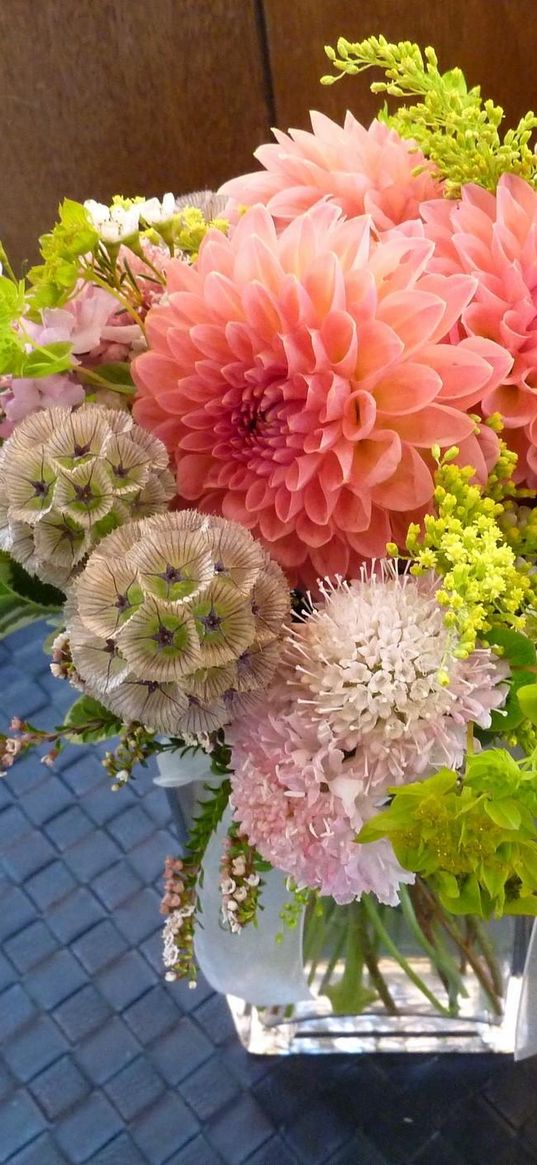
(371, 696)
(99, 330)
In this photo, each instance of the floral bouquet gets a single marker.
(268, 469)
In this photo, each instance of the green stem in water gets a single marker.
(439, 957)
(371, 961)
(465, 948)
(390, 946)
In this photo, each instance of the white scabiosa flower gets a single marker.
(374, 663)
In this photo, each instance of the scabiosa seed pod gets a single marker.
(69, 477)
(176, 621)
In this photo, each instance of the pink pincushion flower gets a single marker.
(299, 379)
(361, 170)
(373, 662)
(494, 238)
(281, 793)
(360, 705)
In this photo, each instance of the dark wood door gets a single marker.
(125, 96)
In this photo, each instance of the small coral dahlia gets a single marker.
(361, 170)
(300, 380)
(494, 237)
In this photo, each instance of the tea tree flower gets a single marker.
(68, 477)
(176, 621)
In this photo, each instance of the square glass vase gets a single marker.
(363, 977)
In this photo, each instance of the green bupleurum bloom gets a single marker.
(472, 837)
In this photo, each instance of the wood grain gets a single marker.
(102, 97)
(495, 43)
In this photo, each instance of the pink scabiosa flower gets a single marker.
(370, 696)
(299, 380)
(284, 771)
(361, 170)
(494, 238)
(374, 663)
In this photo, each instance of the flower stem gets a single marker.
(371, 962)
(390, 946)
(466, 950)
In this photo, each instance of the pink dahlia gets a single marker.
(282, 796)
(299, 380)
(494, 238)
(361, 170)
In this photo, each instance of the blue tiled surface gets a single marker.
(101, 1061)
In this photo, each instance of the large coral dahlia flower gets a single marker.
(362, 170)
(494, 238)
(300, 379)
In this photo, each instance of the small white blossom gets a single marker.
(154, 211)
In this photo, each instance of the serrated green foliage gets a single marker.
(62, 248)
(209, 815)
(473, 838)
(89, 722)
(19, 356)
(23, 598)
(456, 129)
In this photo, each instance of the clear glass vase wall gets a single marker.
(390, 992)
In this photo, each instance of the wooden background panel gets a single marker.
(101, 97)
(495, 43)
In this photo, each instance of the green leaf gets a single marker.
(527, 698)
(511, 715)
(504, 813)
(48, 360)
(116, 377)
(23, 599)
(90, 722)
(518, 650)
(522, 905)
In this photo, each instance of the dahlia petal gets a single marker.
(340, 340)
(409, 388)
(300, 471)
(209, 339)
(375, 459)
(332, 559)
(151, 370)
(261, 310)
(325, 284)
(410, 485)
(412, 316)
(379, 347)
(192, 474)
(517, 405)
(467, 368)
(222, 296)
(311, 533)
(318, 504)
(359, 416)
(455, 292)
(352, 513)
(433, 424)
(398, 266)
